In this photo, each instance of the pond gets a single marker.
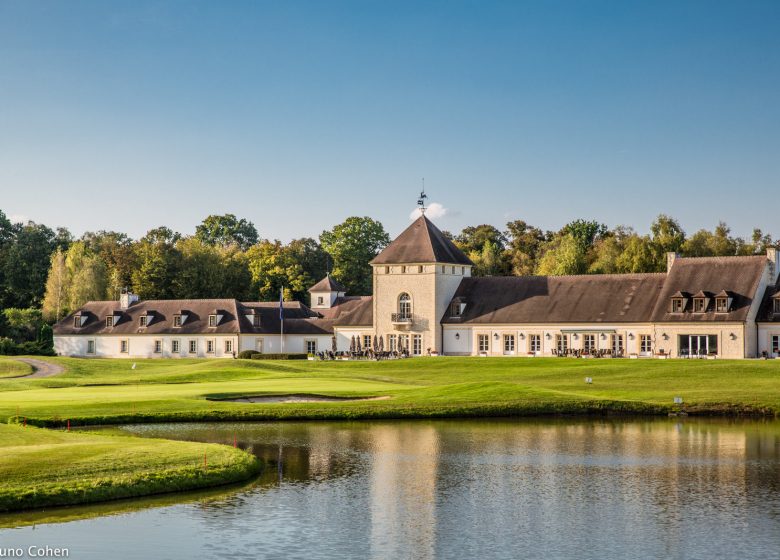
(552, 488)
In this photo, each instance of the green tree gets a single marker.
(473, 238)
(524, 244)
(117, 252)
(56, 302)
(637, 255)
(236, 277)
(716, 243)
(63, 238)
(311, 256)
(351, 246)
(23, 324)
(26, 264)
(564, 254)
(604, 255)
(158, 265)
(200, 274)
(227, 230)
(488, 261)
(667, 237)
(87, 276)
(585, 232)
(273, 268)
(759, 243)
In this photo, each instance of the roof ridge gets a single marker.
(612, 274)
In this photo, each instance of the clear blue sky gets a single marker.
(295, 115)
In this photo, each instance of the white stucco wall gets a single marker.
(143, 346)
(765, 333)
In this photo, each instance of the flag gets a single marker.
(281, 304)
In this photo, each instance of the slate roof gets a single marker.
(705, 276)
(298, 318)
(327, 284)
(361, 316)
(607, 298)
(421, 242)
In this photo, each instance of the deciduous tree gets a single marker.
(352, 245)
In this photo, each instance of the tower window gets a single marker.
(404, 306)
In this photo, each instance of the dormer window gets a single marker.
(77, 321)
(256, 320)
(776, 307)
(721, 305)
(212, 320)
(109, 321)
(678, 305)
(456, 309)
(320, 300)
(701, 301)
(144, 320)
(177, 321)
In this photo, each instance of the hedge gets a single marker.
(259, 356)
(247, 354)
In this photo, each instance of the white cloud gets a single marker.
(433, 211)
(18, 218)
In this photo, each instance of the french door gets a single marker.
(698, 344)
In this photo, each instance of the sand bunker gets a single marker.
(266, 399)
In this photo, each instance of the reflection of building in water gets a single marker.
(403, 490)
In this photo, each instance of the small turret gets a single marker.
(325, 293)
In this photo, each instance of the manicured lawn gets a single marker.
(41, 467)
(110, 391)
(13, 368)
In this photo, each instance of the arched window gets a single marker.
(404, 306)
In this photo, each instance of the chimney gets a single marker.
(670, 258)
(771, 255)
(127, 298)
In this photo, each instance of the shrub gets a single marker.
(259, 356)
(247, 354)
(10, 348)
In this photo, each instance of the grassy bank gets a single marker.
(40, 468)
(13, 368)
(110, 391)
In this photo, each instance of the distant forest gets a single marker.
(47, 273)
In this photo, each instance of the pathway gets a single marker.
(40, 368)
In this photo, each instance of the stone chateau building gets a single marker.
(425, 299)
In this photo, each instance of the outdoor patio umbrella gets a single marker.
(376, 344)
(358, 348)
(381, 343)
(352, 344)
(333, 346)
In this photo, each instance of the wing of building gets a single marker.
(426, 300)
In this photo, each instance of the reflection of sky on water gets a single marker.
(458, 489)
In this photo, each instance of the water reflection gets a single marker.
(454, 489)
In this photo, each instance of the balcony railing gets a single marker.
(400, 318)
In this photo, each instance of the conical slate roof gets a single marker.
(327, 284)
(421, 242)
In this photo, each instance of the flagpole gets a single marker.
(281, 317)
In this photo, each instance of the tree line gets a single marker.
(590, 247)
(46, 273)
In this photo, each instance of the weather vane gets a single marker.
(423, 196)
